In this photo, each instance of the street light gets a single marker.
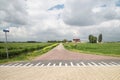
(6, 41)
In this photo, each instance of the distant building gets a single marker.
(76, 40)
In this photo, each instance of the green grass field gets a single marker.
(24, 51)
(110, 49)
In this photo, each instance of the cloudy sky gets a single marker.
(43, 20)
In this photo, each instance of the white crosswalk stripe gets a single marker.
(115, 63)
(82, 63)
(94, 64)
(30, 65)
(37, 64)
(60, 64)
(71, 64)
(105, 64)
(26, 64)
(48, 64)
(20, 64)
(111, 64)
(54, 64)
(77, 64)
(90, 64)
(42, 65)
(15, 64)
(101, 64)
(66, 64)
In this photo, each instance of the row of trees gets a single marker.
(93, 39)
(59, 41)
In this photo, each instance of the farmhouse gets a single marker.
(76, 40)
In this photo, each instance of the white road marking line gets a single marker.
(30, 65)
(60, 64)
(15, 64)
(66, 65)
(26, 64)
(54, 64)
(3, 65)
(77, 64)
(42, 65)
(115, 63)
(90, 64)
(105, 64)
(71, 64)
(101, 64)
(82, 63)
(8, 64)
(94, 64)
(37, 64)
(48, 64)
(20, 64)
(112, 64)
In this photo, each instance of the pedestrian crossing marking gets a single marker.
(38, 64)
(15, 64)
(42, 65)
(54, 64)
(101, 64)
(20, 64)
(90, 64)
(71, 64)
(94, 63)
(115, 63)
(77, 64)
(26, 64)
(59, 64)
(66, 64)
(48, 64)
(30, 65)
(83, 63)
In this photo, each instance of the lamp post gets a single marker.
(6, 42)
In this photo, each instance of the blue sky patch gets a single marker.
(59, 6)
(118, 3)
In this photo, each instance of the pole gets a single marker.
(6, 45)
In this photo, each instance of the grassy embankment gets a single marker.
(109, 49)
(24, 51)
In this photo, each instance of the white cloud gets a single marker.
(89, 12)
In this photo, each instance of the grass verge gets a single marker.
(107, 49)
(29, 56)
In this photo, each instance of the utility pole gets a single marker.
(6, 42)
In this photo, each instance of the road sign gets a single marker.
(5, 30)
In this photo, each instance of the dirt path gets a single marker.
(60, 53)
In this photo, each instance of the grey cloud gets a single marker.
(13, 12)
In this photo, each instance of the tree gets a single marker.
(65, 40)
(92, 39)
(100, 38)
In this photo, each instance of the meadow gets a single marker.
(110, 49)
(24, 51)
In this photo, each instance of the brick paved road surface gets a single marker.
(60, 73)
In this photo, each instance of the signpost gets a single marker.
(6, 42)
